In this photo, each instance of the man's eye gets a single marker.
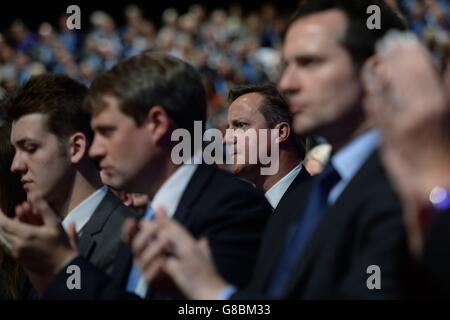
(106, 132)
(241, 125)
(30, 148)
(308, 62)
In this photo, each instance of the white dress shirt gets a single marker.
(168, 197)
(83, 212)
(276, 192)
(170, 193)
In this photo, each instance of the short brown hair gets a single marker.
(358, 40)
(57, 96)
(152, 79)
(274, 108)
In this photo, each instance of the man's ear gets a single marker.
(78, 147)
(371, 73)
(158, 123)
(284, 131)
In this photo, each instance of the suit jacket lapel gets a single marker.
(285, 215)
(287, 201)
(193, 190)
(96, 223)
(122, 265)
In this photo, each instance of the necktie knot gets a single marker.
(328, 179)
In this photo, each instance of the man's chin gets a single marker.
(33, 193)
(237, 170)
(303, 128)
(112, 182)
(245, 171)
(116, 185)
(38, 194)
(127, 186)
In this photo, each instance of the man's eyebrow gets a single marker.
(24, 140)
(308, 56)
(103, 126)
(239, 119)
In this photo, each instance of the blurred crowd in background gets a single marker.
(229, 46)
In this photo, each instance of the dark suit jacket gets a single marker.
(216, 205)
(100, 237)
(436, 258)
(364, 227)
(288, 201)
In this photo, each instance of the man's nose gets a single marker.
(18, 165)
(229, 136)
(97, 149)
(289, 80)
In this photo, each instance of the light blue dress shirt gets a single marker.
(350, 159)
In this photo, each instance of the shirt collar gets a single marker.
(276, 192)
(84, 211)
(351, 157)
(170, 193)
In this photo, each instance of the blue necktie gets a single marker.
(135, 273)
(304, 227)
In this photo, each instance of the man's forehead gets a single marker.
(318, 29)
(108, 111)
(29, 126)
(248, 103)
(30, 121)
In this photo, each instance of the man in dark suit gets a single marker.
(359, 226)
(261, 108)
(51, 135)
(342, 236)
(136, 107)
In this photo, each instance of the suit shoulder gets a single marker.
(113, 211)
(224, 193)
(380, 191)
(228, 183)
